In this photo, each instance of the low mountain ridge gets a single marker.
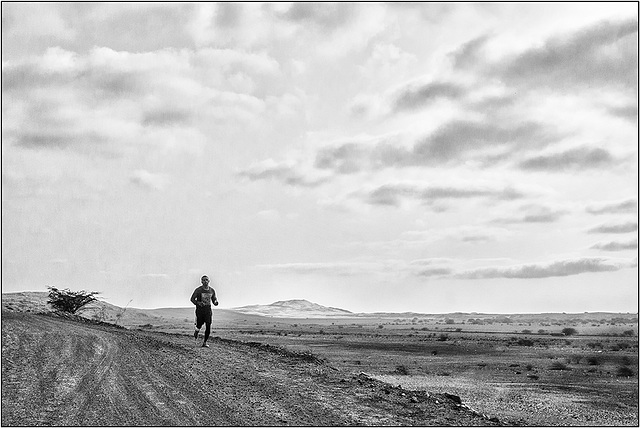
(296, 308)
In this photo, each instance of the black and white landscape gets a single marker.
(412, 213)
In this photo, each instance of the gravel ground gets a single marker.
(64, 372)
(509, 401)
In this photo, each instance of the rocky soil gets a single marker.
(62, 371)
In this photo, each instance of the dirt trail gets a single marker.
(57, 371)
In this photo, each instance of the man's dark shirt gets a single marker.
(204, 295)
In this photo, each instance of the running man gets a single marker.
(203, 297)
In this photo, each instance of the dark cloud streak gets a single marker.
(536, 271)
(617, 245)
(282, 173)
(574, 159)
(615, 228)
(624, 207)
(394, 194)
(418, 95)
(603, 54)
(454, 142)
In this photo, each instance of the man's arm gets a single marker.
(194, 297)
(214, 299)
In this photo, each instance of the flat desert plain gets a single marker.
(520, 369)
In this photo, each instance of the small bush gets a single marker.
(624, 371)
(569, 331)
(619, 346)
(403, 370)
(443, 338)
(593, 361)
(525, 342)
(70, 301)
(557, 365)
(628, 333)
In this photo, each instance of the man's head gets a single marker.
(205, 280)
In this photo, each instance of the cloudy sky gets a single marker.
(423, 157)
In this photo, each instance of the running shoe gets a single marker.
(204, 345)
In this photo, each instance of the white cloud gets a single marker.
(112, 101)
(149, 180)
(387, 62)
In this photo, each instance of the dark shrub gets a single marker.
(624, 371)
(593, 361)
(619, 346)
(557, 365)
(403, 370)
(525, 342)
(569, 331)
(70, 301)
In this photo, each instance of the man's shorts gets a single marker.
(203, 315)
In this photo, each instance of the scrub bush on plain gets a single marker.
(70, 301)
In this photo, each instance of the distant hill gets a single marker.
(297, 308)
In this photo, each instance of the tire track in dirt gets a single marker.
(57, 371)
